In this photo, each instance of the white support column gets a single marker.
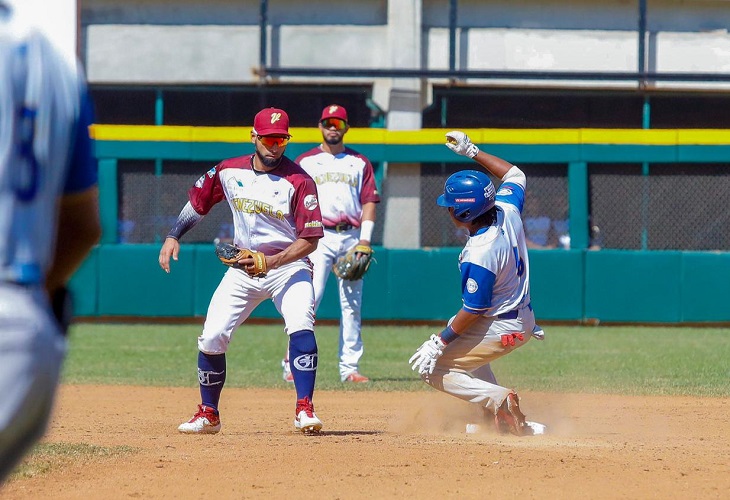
(402, 227)
(402, 97)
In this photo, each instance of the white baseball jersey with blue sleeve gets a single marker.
(44, 153)
(495, 271)
(42, 145)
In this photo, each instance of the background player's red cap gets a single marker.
(271, 121)
(334, 111)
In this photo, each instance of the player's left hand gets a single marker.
(364, 249)
(459, 143)
(424, 360)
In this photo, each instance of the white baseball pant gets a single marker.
(330, 248)
(238, 294)
(32, 349)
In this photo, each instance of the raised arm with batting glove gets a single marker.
(461, 144)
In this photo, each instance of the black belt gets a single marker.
(513, 314)
(341, 227)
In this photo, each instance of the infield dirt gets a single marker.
(386, 445)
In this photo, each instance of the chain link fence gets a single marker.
(151, 197)
(674, 206)
(545, 213)
(632, 206)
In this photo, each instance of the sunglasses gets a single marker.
(334, 122)
(270, 141)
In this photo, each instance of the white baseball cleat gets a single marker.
(205, 421)
(306, 420)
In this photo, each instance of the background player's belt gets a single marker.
(342, 226)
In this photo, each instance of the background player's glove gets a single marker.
(354, 264)
(459, 143)
(230, 255)
(424, 360)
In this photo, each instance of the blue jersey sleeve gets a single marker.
(511, 193)
(477, 284)
(83, 171)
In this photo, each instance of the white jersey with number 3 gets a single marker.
(45, 153)
(36, 147)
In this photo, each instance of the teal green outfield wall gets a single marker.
(574, 285)
(423, 285)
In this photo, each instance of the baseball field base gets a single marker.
(537, 428)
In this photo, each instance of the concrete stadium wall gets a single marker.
(165, 41)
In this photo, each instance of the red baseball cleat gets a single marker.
(205, 421)
(509, 417)
(306, 420)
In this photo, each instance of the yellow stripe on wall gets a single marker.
(650, 137)
(704, 136)
(655, 137)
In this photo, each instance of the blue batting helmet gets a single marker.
(469, 192)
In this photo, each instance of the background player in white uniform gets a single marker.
(496, 317)
(347, 196)
(45, 153)
(275, 211)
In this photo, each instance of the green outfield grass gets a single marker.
(620, 360)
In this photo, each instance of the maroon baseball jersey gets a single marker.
(270, 210)
(345, 182)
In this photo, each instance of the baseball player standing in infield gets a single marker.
(48, 198)
(347, 197)
(276, 212)
(496, 317)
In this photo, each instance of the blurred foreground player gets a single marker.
(48, 200)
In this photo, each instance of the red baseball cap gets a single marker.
(271, 121)
(334, 111)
